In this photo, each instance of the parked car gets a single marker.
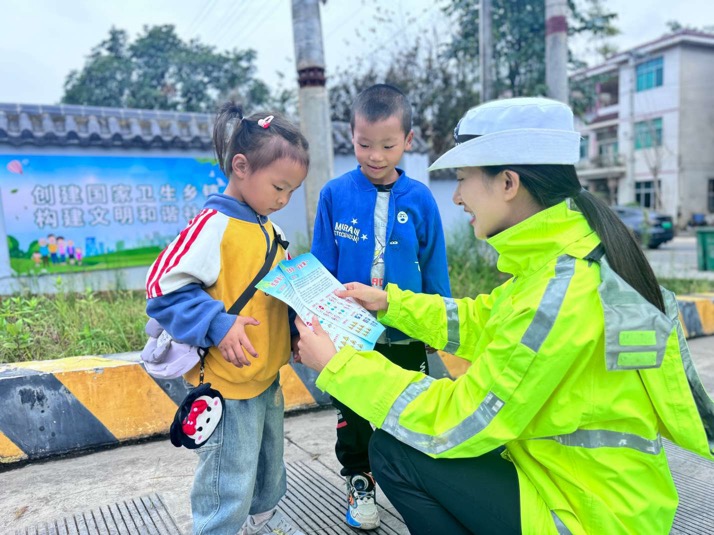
(651, 228)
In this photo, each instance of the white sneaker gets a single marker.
(362, 510)
(278, 524)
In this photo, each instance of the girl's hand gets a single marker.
(315, 347)
(367, 296)
(236, 344)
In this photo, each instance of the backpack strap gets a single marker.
(250, 290)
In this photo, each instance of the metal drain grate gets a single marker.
(137, 516)
(694, 479)
(318, 507)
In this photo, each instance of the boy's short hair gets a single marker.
(381, 101)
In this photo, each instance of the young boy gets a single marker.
(376, 225)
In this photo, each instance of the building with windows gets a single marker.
(648, 138)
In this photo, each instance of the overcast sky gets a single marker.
(42, 40)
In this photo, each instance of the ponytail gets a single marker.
(233, 133)
(624, 253)
(229, 116)
(552, 184)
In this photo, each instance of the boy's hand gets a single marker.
(295, 349)
(370, 298)
(236, 342)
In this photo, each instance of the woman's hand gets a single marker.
(315, 346)
(367, 296)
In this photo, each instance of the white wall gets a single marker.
(696, 128)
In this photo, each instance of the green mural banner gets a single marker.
(78, 213)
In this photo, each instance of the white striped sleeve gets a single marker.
(193, 257)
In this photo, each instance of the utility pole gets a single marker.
(556, 49)
(314, 104)
(485, 52)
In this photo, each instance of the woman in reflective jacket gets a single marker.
(578, 368)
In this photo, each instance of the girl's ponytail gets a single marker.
(262, 138)
(227, 122)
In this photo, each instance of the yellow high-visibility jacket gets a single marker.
(571, 370)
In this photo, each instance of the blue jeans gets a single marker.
(240, 469)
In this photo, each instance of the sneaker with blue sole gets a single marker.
(362, 510)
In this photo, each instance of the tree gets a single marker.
(13, 247)
(519, 39)
(440, 89)
(160, 71)
(439, 71)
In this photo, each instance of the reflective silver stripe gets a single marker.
(434, 444)
(636, 332)
(452, 326)
(410, 393)
(600, 438)
(562, 528)
(550, 303)
(702, 400)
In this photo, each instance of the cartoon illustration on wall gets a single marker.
(78, 213)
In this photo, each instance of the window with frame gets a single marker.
(584, 149)
(650, 74)
(607, 146)
(644, 193)
(648, 134)
(710, 195)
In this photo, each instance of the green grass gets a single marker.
(686, 286)
(40, 327)
(472, 264)
(44, 327)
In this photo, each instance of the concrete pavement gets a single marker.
(678, 259)
(45, 491)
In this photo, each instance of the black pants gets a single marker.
(353, 431)
(475, 495)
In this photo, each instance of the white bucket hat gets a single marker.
(514, 131)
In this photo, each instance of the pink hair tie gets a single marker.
(265, 123)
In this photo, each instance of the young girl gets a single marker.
(240, 477)
(578, 363)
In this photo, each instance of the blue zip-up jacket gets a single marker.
(415, 252)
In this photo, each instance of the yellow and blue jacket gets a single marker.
(201, 274)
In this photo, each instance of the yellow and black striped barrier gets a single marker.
(56, 407)
(697, 314)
